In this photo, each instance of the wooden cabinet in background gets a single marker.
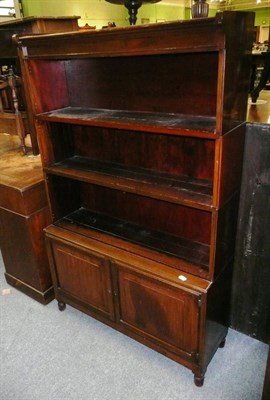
(141, 135)
(9, 58)
(24, 213)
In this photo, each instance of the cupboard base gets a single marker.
(138, 297)
(199, 374)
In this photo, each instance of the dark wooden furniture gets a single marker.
(251, 295)
(9, 58)
(142, 152)
(24, 213)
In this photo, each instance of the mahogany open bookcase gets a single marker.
(141, 132)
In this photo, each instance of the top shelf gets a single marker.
(175, 124)
(202, 34)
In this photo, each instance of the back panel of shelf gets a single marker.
(178, 169)
(199, 172)
(169, 83)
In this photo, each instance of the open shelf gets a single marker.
(187, 250)
(182, 190)
(176, 124)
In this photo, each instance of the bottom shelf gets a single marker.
(192, 252)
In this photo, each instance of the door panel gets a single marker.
(165, 313)
(85, 276)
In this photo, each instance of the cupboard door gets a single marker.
(162, 313)
(85, 276)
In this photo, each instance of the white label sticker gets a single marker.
(182, 278)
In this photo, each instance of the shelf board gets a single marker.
(145, 182)
(83, 221)
(176, 124)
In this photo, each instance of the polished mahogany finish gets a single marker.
(141, 135)
(9, 59)
(24, 214)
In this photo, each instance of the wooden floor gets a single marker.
(260, 112)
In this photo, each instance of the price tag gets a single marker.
(182, 278)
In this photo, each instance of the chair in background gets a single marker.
(11, 117)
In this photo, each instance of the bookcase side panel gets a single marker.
(228, 176)
(238, 28)
(47, 85)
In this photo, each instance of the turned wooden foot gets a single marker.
(61, 305)
(222, 343)
(199, 380)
